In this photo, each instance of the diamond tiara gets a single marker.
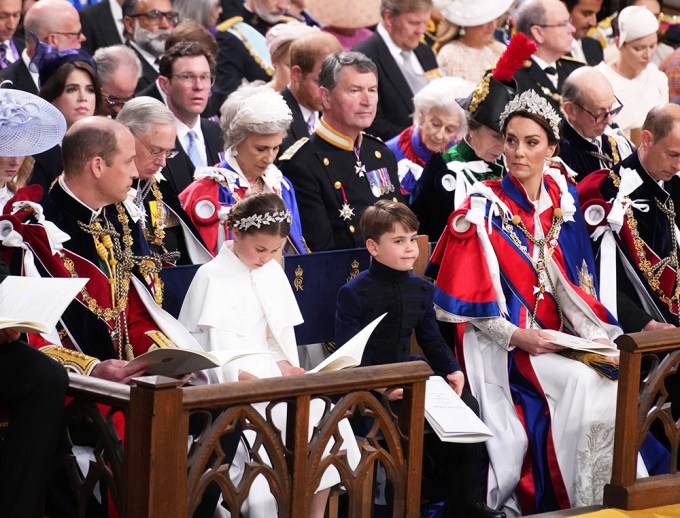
(529, 101)
(259, 220)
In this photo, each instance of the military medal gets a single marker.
(379, 180)
(346, 212)
(360, 169)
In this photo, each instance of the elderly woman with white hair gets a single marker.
(638, 83)
(205, 12)
(438, 123)
(254, 120)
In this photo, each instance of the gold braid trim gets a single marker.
(652, 273)
(615, 149)
(71, 360)
(160, 340)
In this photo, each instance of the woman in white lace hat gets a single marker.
(466, 36)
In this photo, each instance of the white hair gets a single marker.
(442, 93)
(253, 110)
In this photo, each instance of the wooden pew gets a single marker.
(151, 474)
(639, 404)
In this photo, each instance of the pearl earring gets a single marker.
(234, 151)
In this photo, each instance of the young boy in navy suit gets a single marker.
(390, 230)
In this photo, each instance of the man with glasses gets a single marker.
(55, 22)
(147, 25)
(547, 23)
(186, 76)
(166, 226)
(588, 140)
(119, 69)
(632, 214)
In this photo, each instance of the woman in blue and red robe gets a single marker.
(514, 262)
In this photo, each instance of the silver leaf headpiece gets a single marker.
(530, 101)
(259, 220)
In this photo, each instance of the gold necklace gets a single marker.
(159, 219)
(546, 247)
(119, 263)
(652, 273)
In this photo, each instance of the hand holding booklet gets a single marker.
(35, 304)
(349, 355)
(581, 344)
(449, 416)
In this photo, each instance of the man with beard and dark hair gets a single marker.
(147, 26)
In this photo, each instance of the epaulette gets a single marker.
(572, 58)
(606, 23)
(229, 23)
(288, 153)
(372, 136)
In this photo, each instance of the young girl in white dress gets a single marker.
(241, 302)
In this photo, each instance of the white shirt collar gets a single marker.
(543, 64)
(117, 13)
(27, 62)
(95, 212)
(150, 58)
(5, 195)
(396, 51)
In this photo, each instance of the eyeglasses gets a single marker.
(603, 116)
(155, 16)
(562, 25)
(157, 152)
(191, 79)
(74, 35)
(114, 101)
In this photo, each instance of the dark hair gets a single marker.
(260, 204)
(191, 30)
(184, 49)
(538, 120)
(333, 65)
(55, 85)
(659, 123)
(84, 144)
(383, 216)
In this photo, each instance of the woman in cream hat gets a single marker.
(638, 83)
(466, 35)
(349, 20)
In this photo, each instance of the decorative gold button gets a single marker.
(352, 229)
(378, 154)
(395, 200)
(326, 161)
(337, 185)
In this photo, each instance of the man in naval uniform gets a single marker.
(588, 141)
(340, 170)
(632, 212)
(548, 24)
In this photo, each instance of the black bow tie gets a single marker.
(551, 71)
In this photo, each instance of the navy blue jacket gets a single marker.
(407, 299)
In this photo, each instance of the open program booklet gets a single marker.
(349, 355)
(581, 344)
(35, 304)
(173, 362)
(449, 416)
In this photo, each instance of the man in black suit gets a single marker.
(405, 64)
(147, 26)
(186, 75)
(55, 22)
(102, 25)
(583, 16)
(547, 23)
(307, 54)
(10, 46)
